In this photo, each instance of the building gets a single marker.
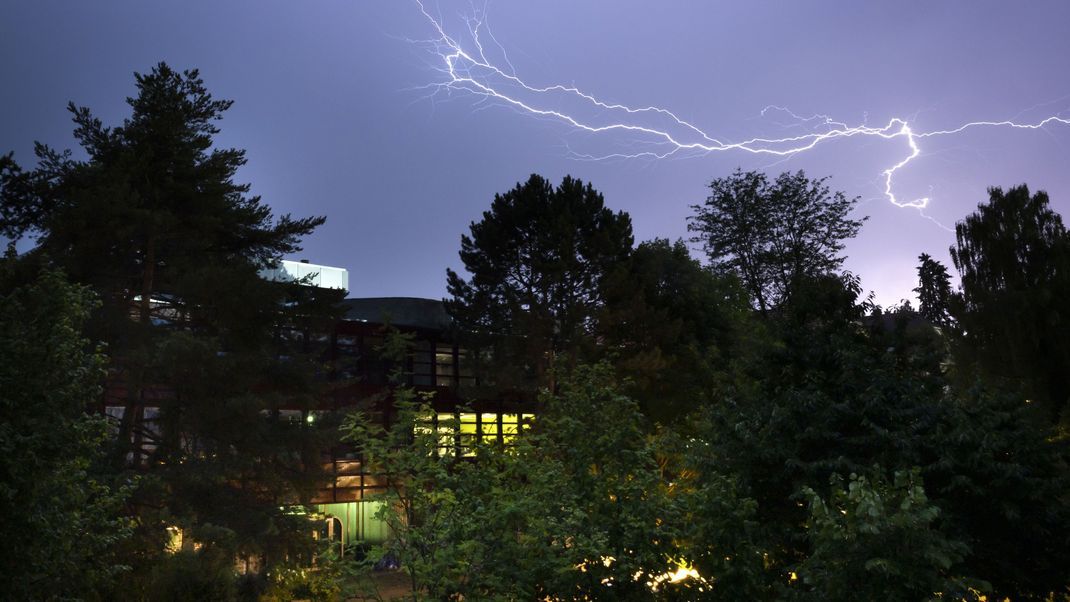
(435, 363)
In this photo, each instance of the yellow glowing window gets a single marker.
(459, 432)
(489, 427)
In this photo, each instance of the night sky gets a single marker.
(333, 108)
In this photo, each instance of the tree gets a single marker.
(833, 395)
(573, 508)
(154, 223)
(665, 316)
(60, 517)
(1013, 255)
(878, 541)
(537, 260)
(934, 291)
(1003, 487)
(773, 234)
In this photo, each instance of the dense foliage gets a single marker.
(838, 463)
(51, 485)
(1013, 255)
(202, 350)
(828, 450)
(754, 428)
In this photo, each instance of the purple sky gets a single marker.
(328, 107)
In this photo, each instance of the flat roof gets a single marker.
(414, 312)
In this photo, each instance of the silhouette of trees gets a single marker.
(536, 261)
(203, 351)
(666, 315)
(1013, 256)
(934, 291)
(771, 235)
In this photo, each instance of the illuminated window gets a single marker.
(462, 431)
(444, 366)
(291, 416)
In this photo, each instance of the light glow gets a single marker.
(684, 571)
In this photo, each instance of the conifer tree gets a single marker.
(934, 290)
(537, 260)
(203, 351)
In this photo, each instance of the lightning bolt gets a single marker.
(663, 133)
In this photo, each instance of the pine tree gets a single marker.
(155, 224)
(537, 260)
(934, 291)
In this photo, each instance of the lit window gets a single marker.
(445, 368)
(461, 432)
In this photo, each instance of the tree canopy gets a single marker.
(664, 315)
(934, 291)
(773, 234)
(203, 351)
(60, 515)
(1013, 256)
(536, 261)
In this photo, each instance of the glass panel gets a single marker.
(489, 427)
(445, 371)
(447, 425)
(374, 481)
(468, 423)
(347, 466)
(469, 432)
(372, 529)
(347, 481)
